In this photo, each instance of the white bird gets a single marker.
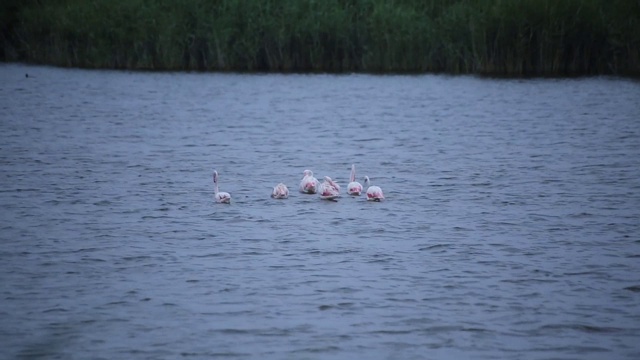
(308, 184)
(280, 191)
(374, 193)
(354, 187)
(221, 196)
(329, 189)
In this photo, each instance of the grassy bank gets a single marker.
(502, 37)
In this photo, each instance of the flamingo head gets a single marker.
(307, 173)
(215, 176)
(366, 180)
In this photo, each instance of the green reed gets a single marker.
(501, 37)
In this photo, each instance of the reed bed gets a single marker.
(499, 37)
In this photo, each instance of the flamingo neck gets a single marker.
(352, 178)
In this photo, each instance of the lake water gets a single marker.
(510, 229)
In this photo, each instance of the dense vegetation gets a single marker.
(504, 37)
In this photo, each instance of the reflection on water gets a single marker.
(509, 229)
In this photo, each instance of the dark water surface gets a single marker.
(511, 227)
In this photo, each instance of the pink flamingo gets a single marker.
(308, 184)
(329, 189)
(280, 191)
(374, 193)
(221, 196)
(354, 187)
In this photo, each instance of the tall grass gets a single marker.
(502, 37)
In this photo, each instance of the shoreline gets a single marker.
(336, 73)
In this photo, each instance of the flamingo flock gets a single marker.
(328, 189)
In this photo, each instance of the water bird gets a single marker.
(280, 191)
(308, 184)
(354, 187)
(221, 196)
(329, 189)
(374, 193)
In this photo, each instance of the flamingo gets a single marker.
(354, 187)
(329, 189)
(374, 193)
(280, 191)
(308, 184)
(221, 196)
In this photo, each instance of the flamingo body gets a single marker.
(308, 184)
(374, 193)
(329, 189)
(280, 191)
(354, 187)
(220, 196)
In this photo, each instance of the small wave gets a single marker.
(254, 253)
(136, 258)
(598, 273)
(436, 247)
(91, 249)
(571, 349)
(222, 355)
(116, 303)
(335, 252)
(218, 254)
(235, 331)
(345, 305)
(298, 266)
(55, 309)
(581, 215)
(580, 328)
(393, 332)
(20, 190)
(402, 300)
(369, 139)
(523, 281)
(330, 348)
(634, 288)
